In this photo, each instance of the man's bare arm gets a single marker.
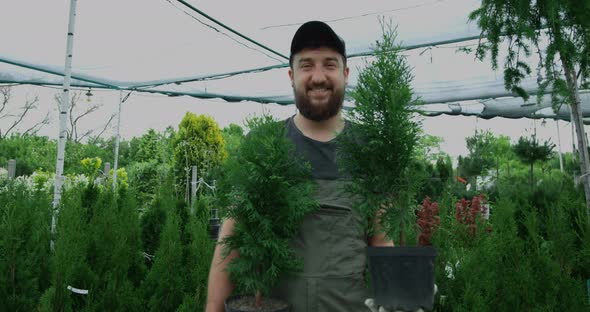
(220, 287)
(379, 239)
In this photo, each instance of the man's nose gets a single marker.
(318, 75)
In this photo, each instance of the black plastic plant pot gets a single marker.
(403, 277)
(269, 304)
(214, 228)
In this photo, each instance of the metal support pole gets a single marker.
(559, 145)
(11, 169)
(106, 171)
(574, 153)
(117, 138)
(193, 188)
(63, 115)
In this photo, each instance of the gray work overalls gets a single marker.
(332, 246)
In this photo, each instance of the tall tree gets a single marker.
(480, 158)
(233, 135)
(18, 117)
(530, 151)
(563, 28)
(78, 112)
(198, 142)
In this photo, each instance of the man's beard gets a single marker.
(319, 112)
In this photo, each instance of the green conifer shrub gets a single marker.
(69, 265)
(502, 270)
(270, 193)
(164, 284)
(114, 252)
(377, 152)
(151, 223)
(24, 247)
(182, 250)
(198, 142)
(197, 255)
(97, 248)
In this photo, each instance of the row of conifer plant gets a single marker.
(105, 256)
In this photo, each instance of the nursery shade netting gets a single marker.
(174, 47)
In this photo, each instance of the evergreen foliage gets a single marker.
(164, 285)
(524, 24)
(198, 142)
(532, 273)
(271, 191)
(96, 249)
(30, 152)
(197, 254)
(377, 151)
(233, 136)
(530, 255)
(151, 223)
(33, 153)
(559, 32)
(114, 253)
(24, 247)
(434, 178)
(179, 269)
(152, 162)
(530, 151)
(145, 178)
(480, 157)
(69, 265)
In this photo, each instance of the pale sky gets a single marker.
(143, 111)
(153, 39)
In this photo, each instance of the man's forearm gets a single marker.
(220, 286)
(379, 239)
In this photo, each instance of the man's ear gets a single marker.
(346, 72)
(291, 76)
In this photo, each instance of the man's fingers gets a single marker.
(370, 303)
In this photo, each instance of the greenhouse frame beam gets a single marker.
(227, 98)
(283, 65)
(156, 83)
(117, 85)
(420, 45)
(230, 29)
(49, 70)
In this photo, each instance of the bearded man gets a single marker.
(329, 241)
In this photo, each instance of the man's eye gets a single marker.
(306, 66)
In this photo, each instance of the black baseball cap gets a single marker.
(314, 35)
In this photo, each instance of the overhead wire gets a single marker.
(221, 32)
(358, 16)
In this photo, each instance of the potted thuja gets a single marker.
(377, 153)
(270, 193)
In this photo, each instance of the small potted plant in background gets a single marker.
(377, 154)
(270, 193)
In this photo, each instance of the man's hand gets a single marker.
(370, 303)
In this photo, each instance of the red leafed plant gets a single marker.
(428, 221)
(467, 211)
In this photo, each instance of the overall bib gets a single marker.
(333, 248)
(331, 244)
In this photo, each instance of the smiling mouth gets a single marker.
(319, 91)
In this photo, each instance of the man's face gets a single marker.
(319, 78)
